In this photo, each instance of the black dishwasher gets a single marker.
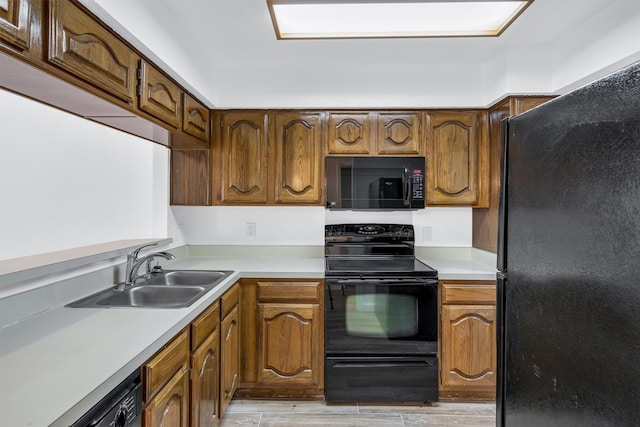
(122, 407)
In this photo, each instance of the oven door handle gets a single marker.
(412, 282)
(407, 364)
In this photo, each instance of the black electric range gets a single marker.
(381, 305)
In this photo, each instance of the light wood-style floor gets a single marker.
(288, 413)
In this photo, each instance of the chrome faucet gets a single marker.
(134, 263)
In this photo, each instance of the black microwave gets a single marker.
(375, 183)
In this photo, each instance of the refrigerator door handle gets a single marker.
(502, 206)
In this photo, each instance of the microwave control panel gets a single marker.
(417, 185)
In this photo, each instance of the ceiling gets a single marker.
(227, 52)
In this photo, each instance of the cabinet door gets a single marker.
(229, 359)
(205, 383)
(298, 162)
(468, 348)
(159, 96)
(85, 48)
(453, 158)
(195, 118)
(349, 133)
(291, 351)
(245, 158)
(171, 406)
(15, 18)
(398, 133)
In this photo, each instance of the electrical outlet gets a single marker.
(427, 234)
(251, 229)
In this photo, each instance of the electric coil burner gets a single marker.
(381, 305)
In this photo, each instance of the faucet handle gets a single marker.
(136, 251)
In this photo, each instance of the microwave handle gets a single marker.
(406, 187)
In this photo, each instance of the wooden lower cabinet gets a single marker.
(229, 346)
(282, 339)
(171, 406)
(468, 340)
(205, 368)
(165, 380)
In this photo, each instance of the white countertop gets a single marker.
(56, 365)
(75, 356)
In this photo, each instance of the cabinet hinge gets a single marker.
(139, 73)
(139, 90)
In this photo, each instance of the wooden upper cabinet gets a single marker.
(15, 18)
(159, 96)
(457, 159)
(398, 133)
(245, 158)
(190, 183)
(349, 133)
(371, 133)
(298, 158)
(86, 49)
(195, 118)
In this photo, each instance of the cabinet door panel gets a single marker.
(195, 118)
(245, 155)
(230, 359)
(289, 354)
(452, 158)
(88, 50)
(14, 22)
(399, 133)
(171, 406)
(349, 134)
(205, 382)
(159, 96)
(298, 171)
(468, 343)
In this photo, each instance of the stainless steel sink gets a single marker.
(187, 278)
(167, 289)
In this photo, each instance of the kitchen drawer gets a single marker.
(289, 292)
(469, 292)
(204, 325)
(163, 366)
(229, 300)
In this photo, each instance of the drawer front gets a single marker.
(480, 292)
(163, 366)
(204, 325)
(289, 292)
(229, 300)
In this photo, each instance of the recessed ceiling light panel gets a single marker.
(308, 19)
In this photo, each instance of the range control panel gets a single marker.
(374, 230)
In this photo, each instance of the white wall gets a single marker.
(227, 225)
(67, 182)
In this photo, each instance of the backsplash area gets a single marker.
(275, 225)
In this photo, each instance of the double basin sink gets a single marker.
(166, 289)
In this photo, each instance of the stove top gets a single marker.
(372, 250)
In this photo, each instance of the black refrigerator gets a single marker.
(569, 260)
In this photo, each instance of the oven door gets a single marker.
(381, 317)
